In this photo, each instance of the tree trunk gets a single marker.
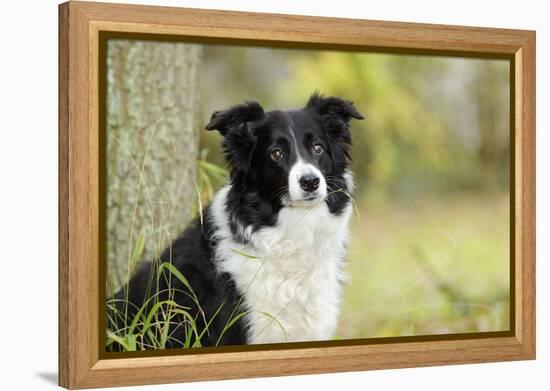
(152, 147)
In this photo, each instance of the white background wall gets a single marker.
(28, 193)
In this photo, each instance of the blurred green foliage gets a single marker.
(442, 267)
(411, 142)
(433, 125)
(430, 247)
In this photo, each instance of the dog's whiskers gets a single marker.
(279, 193)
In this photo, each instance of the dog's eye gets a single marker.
(276, 155)
(318, 149)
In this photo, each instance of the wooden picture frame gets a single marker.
(83, 26)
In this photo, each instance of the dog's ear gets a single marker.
(235, 118)
(335, 114)
(236, 126)
(334, 107)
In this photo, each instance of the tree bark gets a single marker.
(152, 147)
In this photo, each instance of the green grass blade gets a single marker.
(175, 272)
(120, 340)
(274, 319)
(154, 310)
(229, 324)
(213, 170)
(249, 256)
(138, 250)
(199, 338)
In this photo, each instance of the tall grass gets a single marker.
(152, 325)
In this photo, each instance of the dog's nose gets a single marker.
(309, 183)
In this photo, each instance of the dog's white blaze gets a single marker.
(292, 272)
(298, 170)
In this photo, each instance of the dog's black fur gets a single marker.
(254, 200)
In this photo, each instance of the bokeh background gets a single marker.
(429, 252)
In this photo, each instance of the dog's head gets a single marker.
(291, 158)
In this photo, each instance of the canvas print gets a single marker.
(259, 195)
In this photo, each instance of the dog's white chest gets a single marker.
(290, 275)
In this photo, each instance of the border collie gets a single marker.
(272, 243)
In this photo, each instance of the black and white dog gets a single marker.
(272, 243)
